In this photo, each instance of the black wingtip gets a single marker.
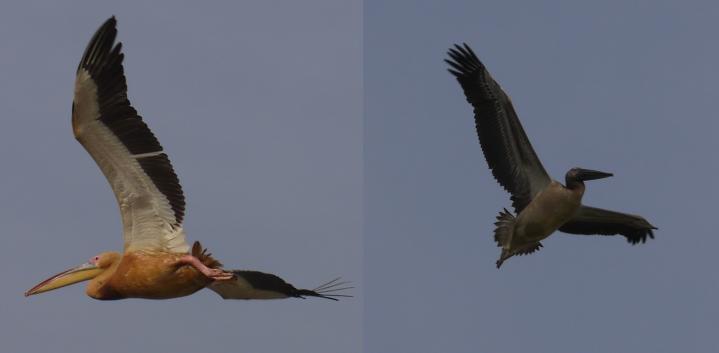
(649, 233)
(109, 23)
(642, 236)
(327, 290)
(302, 293)
(463, 61)
(100, 45)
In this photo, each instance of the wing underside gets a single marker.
(591, 220)
(506, 147)
(145, 185)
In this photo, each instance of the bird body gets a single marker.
(552, 207)
(149, 275)
(157, 275)
(548, 210)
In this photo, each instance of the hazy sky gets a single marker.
(259, 105)
(626, 87)
(325, 138)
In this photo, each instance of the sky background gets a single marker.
(624, 87)
(258, 105)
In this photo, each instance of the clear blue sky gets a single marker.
(626, 87)
(259, 105)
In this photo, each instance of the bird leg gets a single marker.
(212, 273)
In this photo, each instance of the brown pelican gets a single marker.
(542, 205)
(157, 262)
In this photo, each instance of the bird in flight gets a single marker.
(157, 262)
(543, 205)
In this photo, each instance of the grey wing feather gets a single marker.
(506, 147)
(591, 220)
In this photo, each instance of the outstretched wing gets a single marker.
(506, 147)
(591, 220)
(260, 285)
(141, 176)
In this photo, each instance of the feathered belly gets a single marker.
(546, 213)
(155, 276)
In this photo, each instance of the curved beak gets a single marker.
(588, 174)
(80, 273)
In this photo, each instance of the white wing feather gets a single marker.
(149, 222)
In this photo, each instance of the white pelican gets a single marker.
(157, 262)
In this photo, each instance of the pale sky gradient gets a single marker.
(626, 87)
(258, 105)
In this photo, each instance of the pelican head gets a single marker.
(576, 176)
(89, 270)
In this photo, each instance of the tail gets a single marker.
(328, 290)
(505, 229)
(204, 257)
(503, 234)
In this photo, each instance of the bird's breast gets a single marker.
(154, 275)
(551, 208)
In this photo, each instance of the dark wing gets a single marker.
(147, 190)
(506, 147)
(590, 220)
(260, 285)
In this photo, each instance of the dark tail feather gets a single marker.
(505, 228)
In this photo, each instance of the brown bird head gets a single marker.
(89, 270)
